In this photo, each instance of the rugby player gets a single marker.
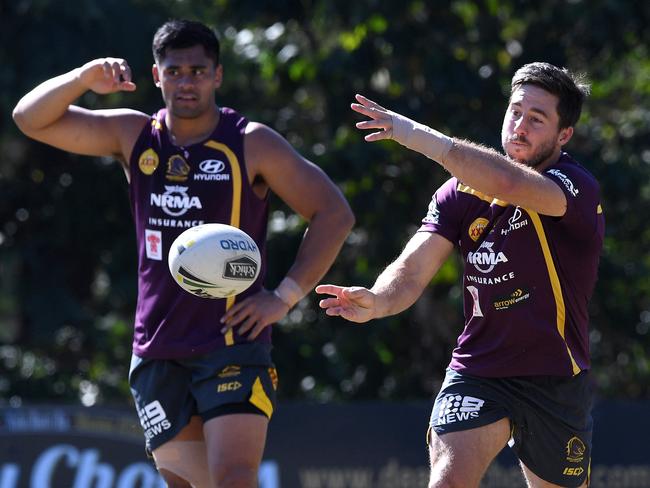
(529, 227)
(201, 372)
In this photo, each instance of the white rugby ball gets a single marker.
(214, 260)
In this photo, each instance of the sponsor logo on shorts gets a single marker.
(148, 161)
(229, 371)
(573, 471)
(153, 419)
(177, 168)
(477, 227)
(230, 386)
(575, 450)
(515, 298)
(243, 268)
(455, 408)
(153, 244)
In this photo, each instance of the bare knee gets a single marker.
(235, 444)
(444, 477)
(460, 459)
(446, 484)
(234, 476)
(172, 480)
(183, 464)
(443, 474)
(448, 480)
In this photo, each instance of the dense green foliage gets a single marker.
(67, 252)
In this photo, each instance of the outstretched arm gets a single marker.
(481, 168)
(309, 192)
(46, 113)
(396, 288)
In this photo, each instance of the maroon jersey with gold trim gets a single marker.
(527, 278)
(171, 189)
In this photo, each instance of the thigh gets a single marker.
(469, 426)
(461, 458)
(235, 445)
(182, 461)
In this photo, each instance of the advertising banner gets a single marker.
(373, 445)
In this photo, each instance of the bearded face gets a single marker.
(530, 132)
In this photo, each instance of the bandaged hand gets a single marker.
(418, 137)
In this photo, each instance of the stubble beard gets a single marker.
(179, 110)
(186, 113)
(543, 152)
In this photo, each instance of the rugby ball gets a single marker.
(214, 260)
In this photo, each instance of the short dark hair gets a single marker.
(570, 88)
(180, 34)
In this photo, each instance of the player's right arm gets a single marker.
(396, 288)
(479, 167)
(46, 113)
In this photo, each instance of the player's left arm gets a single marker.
(308, 191)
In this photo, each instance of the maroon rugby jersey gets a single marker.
(171, 189)
(527, 277)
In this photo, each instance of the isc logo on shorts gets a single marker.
(454, 408)
(230, 386)
(153, 419)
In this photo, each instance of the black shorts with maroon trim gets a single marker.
(550, 418)
(231, 380)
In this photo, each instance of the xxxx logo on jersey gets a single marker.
(477, 227)
(148, 161)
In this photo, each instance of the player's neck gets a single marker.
(550, 161)
(185, 132)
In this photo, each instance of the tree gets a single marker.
(66, 304)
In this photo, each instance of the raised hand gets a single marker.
(381, 118)
(409, 133)
(353, 303)
(107, 75)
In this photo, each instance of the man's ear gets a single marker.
(565, 135)
(156, 75)
(218, 76)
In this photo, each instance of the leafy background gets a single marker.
(67, 247)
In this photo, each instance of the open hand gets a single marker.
(381, 118)
(353, 303)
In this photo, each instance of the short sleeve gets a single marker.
(443, 214)
(582, 194)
